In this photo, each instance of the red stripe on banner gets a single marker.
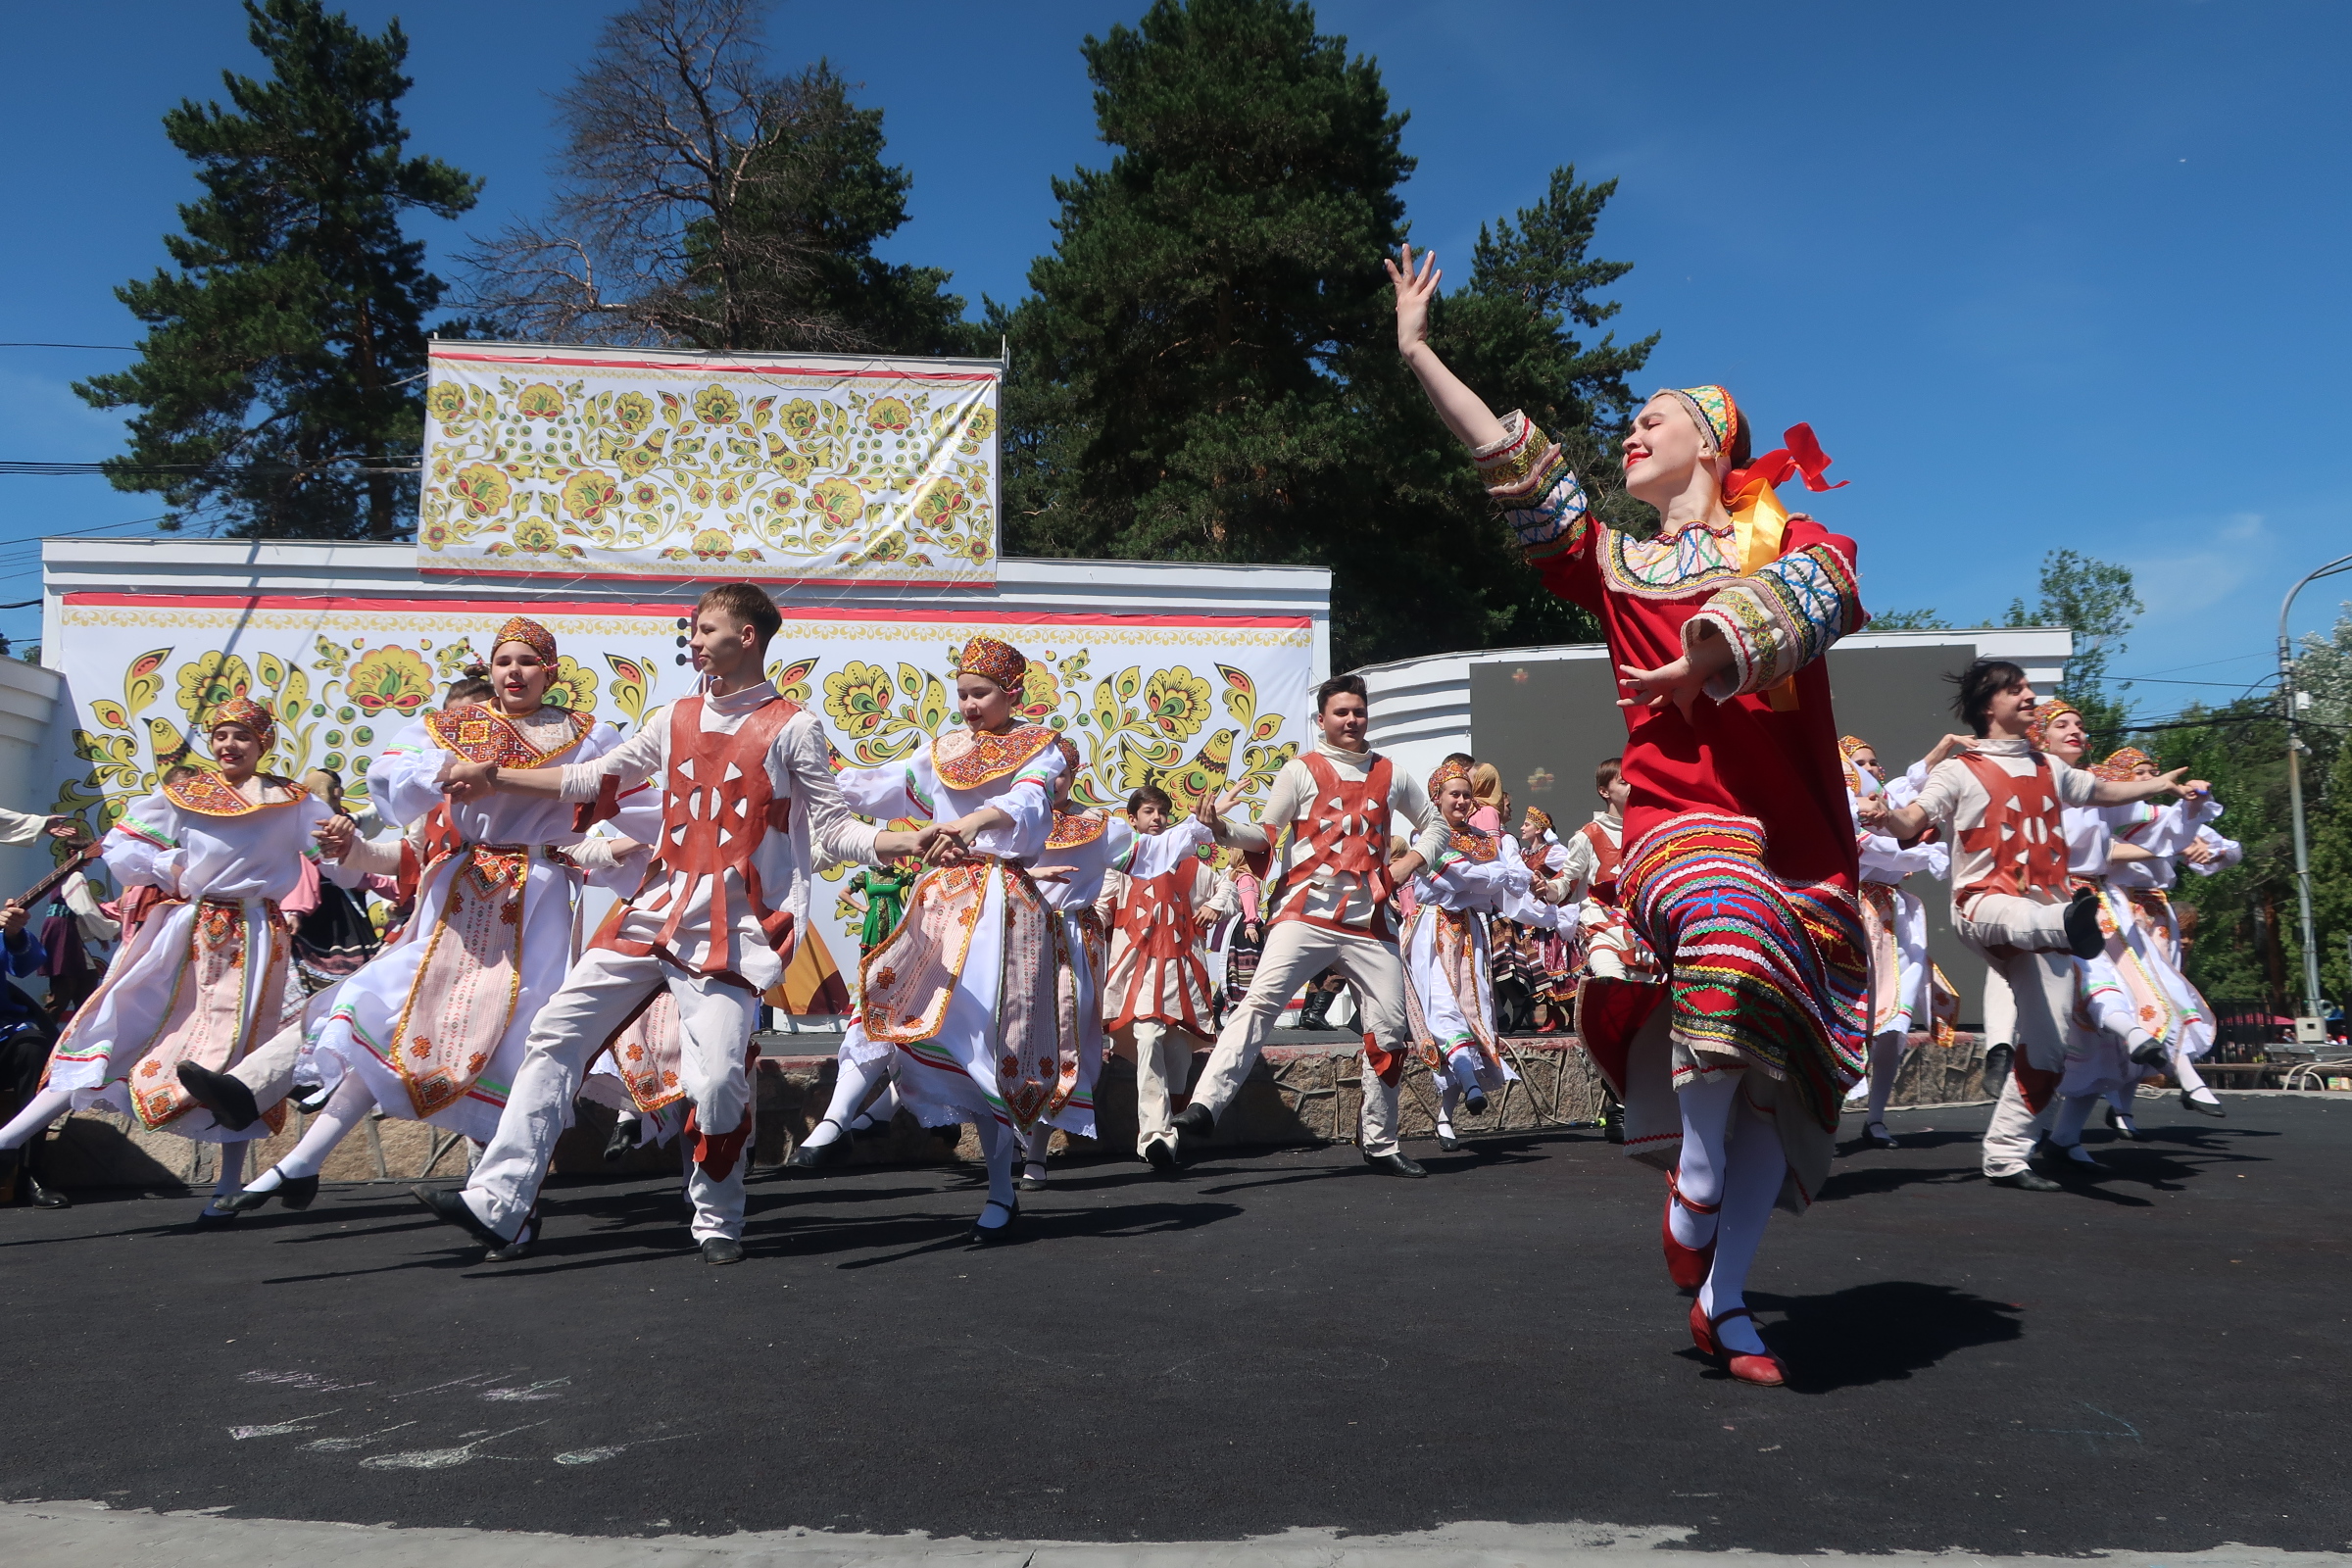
(794, 579)
(667, 612)
(835, 374)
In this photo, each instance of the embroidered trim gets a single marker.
(1070, 829)
(1531, 484)
(208, 794)
(1782, 617)
(966, 760)
(480, 735)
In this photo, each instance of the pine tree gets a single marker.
(2095, 599)
(1206, 368)
(277, 381)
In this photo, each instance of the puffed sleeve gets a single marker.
(1027, 801)
(1155, 854)
(143, 847)
(606, 777)
(401, 782)
(834, 832)
(1785, 614)
(1531, 484)
(893, 790)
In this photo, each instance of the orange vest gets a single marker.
(2022, 830)
(716, 807)
(1157, 917)
(1345, 830)
(1608, 856)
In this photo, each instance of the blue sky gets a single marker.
(2062, 274)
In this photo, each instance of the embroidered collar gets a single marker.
(484, 735)
(964, 760)
(1073, 828)
(1473, 843)
(208, 794)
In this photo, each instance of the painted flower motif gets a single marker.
(444, 401)
(716, 405)
(857, 698)
(481, 490)
(210, 680)
(788, 465)
(646, 495)
(450, 658)
(572, 687)
(1176, 702)
(701, 493)
(980, 425)
(975, 550)
(941, 503)
(634, 410)
(1041, 693)
(391, 678)
(539, 401)
(798, 419)
(890, 413)
(637, 462)
(729, 494)
(713, 544)
(435, 536)
(588, 492)
(535, 536)
(841, 502)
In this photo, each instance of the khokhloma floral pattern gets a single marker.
(603, 462)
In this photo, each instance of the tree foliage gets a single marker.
(276, 381)
(2096, 602)
(1206, 366)
(702, 200)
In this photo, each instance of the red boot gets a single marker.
(1688, 1266)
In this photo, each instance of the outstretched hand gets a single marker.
(1210, 809)
(1675, 682)
(335, 836)
(1416, 286)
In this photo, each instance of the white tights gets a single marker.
(1886, 1061)
(1730, 1157)
(854, 1084)
(344, 1110)
(38, 1112)
(232, 1173)
(997, 1145)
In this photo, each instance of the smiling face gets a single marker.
(2010, 710)
(1344, 720)
(1456, 801)
(238, 750)
(1664, 450)
(2066, 738)
(1866, 761)
(518, 676)
(984, 704)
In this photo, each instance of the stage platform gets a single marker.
(2149, 1363)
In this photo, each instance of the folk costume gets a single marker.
(204, 976)
(1331, 912)
(2141, 897)
(1907, 990)
(1157, 1005)
(967, 1000)
(1468, 876)
(1738, 862)
(749, 804)
(1593, 862)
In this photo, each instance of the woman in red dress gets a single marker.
(1739, 862)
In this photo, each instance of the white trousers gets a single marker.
(715, 1024)
(2039, 981)
(1163, 1069)
(1294, 954)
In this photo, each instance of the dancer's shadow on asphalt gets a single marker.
(1880, 1332)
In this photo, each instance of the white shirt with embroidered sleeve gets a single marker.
(1335, 897)
(822, 824)
(1957, 800)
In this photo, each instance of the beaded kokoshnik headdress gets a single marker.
(993, 661)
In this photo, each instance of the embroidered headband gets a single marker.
(2045, 714)
(1447, 770)
(1711, 409)
(990, 660)
(521, 629)
(2119, 765)
(252, 716)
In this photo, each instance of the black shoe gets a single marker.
(1029, 1183)
(2151, 1054)
(298, 1191)
(1475, 1101)
(312, 1100)
(2128, 1133)
(246, 1202)
(1196, 1126)
(41, 1196)
(1396, 1163)
(2203, 1107)
(2083, 938)
(2025, 1180)
(622, 1144)
(817, 1156)
(210, 1218)
(1882, 1138)
(520, 1247)
(718, 1250)
(1996, 1069)
(990, 1235)
(230, 1102)
(1160, 1154)
(447, 1204)
(1313, 1012)
(1449, 1142)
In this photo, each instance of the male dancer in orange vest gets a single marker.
(715, 921)
(1156, 994)
(2000, 803)
(1339, 800)
(1592, 875)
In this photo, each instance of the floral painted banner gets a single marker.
(1187, 702)
(545, 462)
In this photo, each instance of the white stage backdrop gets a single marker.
(581, 463)
(1180, 700)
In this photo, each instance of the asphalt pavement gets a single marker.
(2149, 1362)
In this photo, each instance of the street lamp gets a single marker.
(2312, 1005)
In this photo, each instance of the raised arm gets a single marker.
(1465, 414)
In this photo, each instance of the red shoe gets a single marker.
(1687, 1266)
(1765, 1371)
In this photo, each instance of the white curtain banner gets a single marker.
(590, 463)
(1186, 701)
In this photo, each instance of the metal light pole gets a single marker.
(2294, 785)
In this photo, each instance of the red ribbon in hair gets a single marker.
(1802, 456)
